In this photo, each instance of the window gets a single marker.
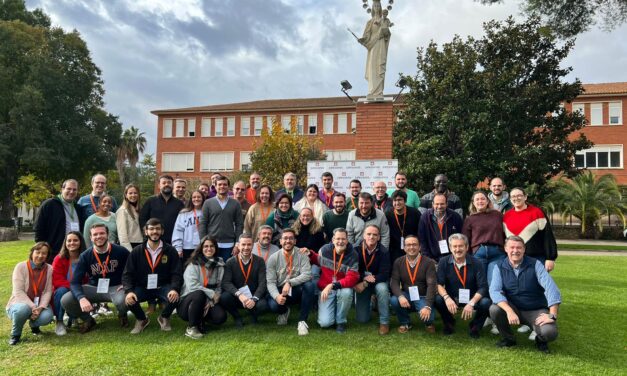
(205, 127)
(286, 123)
(300, 124)
(245, 126)
(579, 107)
(600, 156)
(180, 127)
(244, 161)
(616, 113)
(313, 123)
(177, 162)
(340, 155)
(216, 161)
(328, 123)
(167, 128)
(191, 127)
(230, 126)
(219, 127)
(353, 118)
(342, 123)
(259, 125)
(596, 114)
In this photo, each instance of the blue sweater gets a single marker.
(88, 264)
(429, 233)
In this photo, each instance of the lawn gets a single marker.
(593, 340)
(591, 247)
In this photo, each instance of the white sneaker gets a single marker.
(494, 330)
(282, 318)
(532, 336)
(104, 310)
(523, 329)
(488, 322)
(140, 325)
(303, 329)
(193, 332)
(60, 329)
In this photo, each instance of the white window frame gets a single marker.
(180, 128)
(191, 127)
(327, 123)
(245, 126)
(228, 157)
(166, 162)
(353, 118)
(342, 123)
(341, 154)
(230, 126)
(616, 107)
(596, 114)
(581, 107)
(259, 125)
(602, 149)
(286, 123)
(219, 127)
(205, 128)
(167, 128)
(312, 122)
(244, 155)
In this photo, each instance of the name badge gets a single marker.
(402, 243)
(36, 301)
(245, 290)
(103, 286)
(152, 281)
(74, 226)
(414, 295)
(464, 296)
(289, 293)
(443, 247)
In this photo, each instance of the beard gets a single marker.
(166, 190)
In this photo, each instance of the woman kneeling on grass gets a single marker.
(32, 291)
(201, 289)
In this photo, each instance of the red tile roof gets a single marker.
(605, 88)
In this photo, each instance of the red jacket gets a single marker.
(348, 273)
(60, 267)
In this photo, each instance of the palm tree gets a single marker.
(588, 198)
(132, 145)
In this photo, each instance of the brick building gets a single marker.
(194, 141)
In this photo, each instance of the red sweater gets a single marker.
(60, 267)
(348, 273)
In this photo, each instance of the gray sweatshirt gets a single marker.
(276, 271)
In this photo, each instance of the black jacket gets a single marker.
(169, 269)
(166, 212)
(50, 225)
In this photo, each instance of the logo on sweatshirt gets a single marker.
(164, 259)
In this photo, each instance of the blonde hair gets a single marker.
(315, 226)
(473, 210)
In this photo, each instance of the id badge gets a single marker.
(245, 290)
(152, 281)
(443, 247)
(464, 296)
(36, 301)
(289, 293)
(103, 286)
(334, 279)
(402, 243)
(74, 226)
(414, 295)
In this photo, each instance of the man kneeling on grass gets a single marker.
(153, 271)
(523, 292)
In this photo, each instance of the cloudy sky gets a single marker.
(157, 54)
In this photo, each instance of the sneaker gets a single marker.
(123, 321)
(164, 323)
(35, 329)
(542, 346)
(303, 328)
(404, 329)
(60, 329)
(384, 329)
(523, 329)
(14, 340)
(494, 330)
(488, 322)
(140, 325)
(105, 310)
(340, 328)
(532, 335)
(87, 326)
(193, 332)
(430, 329)
(506, 342)
(282, 318)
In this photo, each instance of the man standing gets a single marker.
(239, 193)
(327, 192)
(290, 188)
(335, 218)
(403, 220)
(288, 274)
(264, 247)
(413, 285)
(355, 189)
(180, 187)
(251, 192)
(382, 200)
(222, 219)
(435, 226)
(89, 204)
(400, 181)
(440, 186)
(523, 292)
(103, 263)
(374, 274)
(153, 271)
(213, 189)
(498, 196)
(164, 207)
(365, 215)
(204, 188)
(57, 216)
(244, 283)
(462, 285)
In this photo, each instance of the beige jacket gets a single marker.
(21, 283)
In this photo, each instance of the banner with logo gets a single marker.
(366, 171)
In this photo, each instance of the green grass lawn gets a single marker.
(592, 340)
(591, 247)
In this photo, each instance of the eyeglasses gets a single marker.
(240, 189)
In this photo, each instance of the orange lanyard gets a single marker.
(31, 274)
(412, 277)
(264, 214)
(404, 221)
(265, 258)
(441, 227)
(103, 266)
(93, 203)
(289, 261)
(205, 276)
(328, 199)
(363, 253)
(149, 259)
(463, 281)
(353, 202)
(241, 266)
(336, 270)
(196, 219)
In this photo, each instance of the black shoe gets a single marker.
(35, 329)
(542, 346)
(474, 332)
(506, 342)
(448, 329)
(87, 326)
(239, 323)
(123, 321)
(14, 340)
(340, 328)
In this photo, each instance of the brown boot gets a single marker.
(87, 326)
(384, 329)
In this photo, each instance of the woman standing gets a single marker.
(260, 211)
(127, 219)
(282, 217)
(185, 237)
(201, 289)
(32, 291)
(312, 201)
(103, 215)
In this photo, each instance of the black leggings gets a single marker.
(192, 306)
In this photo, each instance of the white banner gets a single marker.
(366, 171)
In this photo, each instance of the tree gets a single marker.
(52, 121)
(588, 198)
(281, 151)
(146, 176)
(568, 18)
(478, 109)
(132, 145)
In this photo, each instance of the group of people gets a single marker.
(217, 250)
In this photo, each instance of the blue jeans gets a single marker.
(19, 313)
(302, 293)
(58, 308)
(225, 253)
(144, 295)
(363, 304)
(403, 313)
(335, 309)
(490, 255)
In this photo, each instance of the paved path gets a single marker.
(593, 253)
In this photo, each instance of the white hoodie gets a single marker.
(185, 235)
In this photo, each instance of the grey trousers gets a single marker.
(115, 296)
(546, 333)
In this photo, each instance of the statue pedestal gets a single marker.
(375, 122)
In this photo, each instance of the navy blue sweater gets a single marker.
(381, 265)
(88, 264)
(429, 233)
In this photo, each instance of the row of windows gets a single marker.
(333, 123)
(600, 156)
(595, 112)
(225, 161)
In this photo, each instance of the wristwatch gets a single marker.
(552, 317)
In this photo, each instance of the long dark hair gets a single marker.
(197, 257)
(65, 253)
(189, 205)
